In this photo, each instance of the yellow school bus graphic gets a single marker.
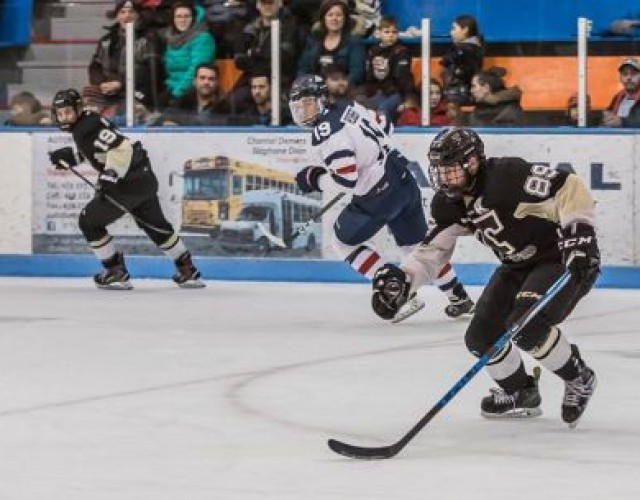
(214, 187)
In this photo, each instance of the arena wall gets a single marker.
(39, 205)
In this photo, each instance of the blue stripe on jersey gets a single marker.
(336, 155)
(343, 182)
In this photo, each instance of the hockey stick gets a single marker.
(119, 205)
(302, 229)
(372, 453)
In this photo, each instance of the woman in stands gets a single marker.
(463, 60)
(333, 43)
(443, 113)
(189, 44)
(495, 104)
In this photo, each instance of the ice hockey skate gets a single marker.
(457, 308)
(187, 276)
(412, 306)
(114, 276)
(524, 403)
(577, 393)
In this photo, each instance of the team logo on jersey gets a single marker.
(350, 115)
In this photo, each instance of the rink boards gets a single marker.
(39, 206)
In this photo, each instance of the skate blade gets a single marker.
(514, 414)
(119, 285)
(408, 312)
(192, 284)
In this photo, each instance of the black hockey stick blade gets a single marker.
(362, 452)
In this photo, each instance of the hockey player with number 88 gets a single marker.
(351, 144)
(125, 180)
(538, 221)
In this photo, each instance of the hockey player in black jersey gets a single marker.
(352, 145)
(538, 221)
(126, 179)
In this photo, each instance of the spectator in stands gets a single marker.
(253, 47)
(463, 60)
(571, 113)
(334, 43)
(154, 13)
(259, 110)
(624, 109)
(189, 44)
(388, 77)
(226, 19)
(26, 111)
(442, 112)
(203, 105)
(495, 104)
(107, 69)
(338, 87)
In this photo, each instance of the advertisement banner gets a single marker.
(230, 192)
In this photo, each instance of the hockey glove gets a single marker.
(309, 177)
(390, 291)
(65, 158)
(106, 182)
(580, 253)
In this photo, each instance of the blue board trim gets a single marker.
(213, 268)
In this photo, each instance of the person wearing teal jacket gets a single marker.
(189, 44)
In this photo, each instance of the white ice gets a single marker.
(230, 393)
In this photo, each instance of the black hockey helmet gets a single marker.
(62, 99)
(306, 90)
(453, 147)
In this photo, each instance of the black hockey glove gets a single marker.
(390, 291)
(580, 253)
(65, 158)
(106, 182)
(308, 178)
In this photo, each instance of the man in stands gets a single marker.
(107, 67)
(203, 105)
(624, 109)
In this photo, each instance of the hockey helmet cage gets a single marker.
(450, 147)
(307, 99)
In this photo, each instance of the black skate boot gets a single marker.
(578, 392)
(524, 403)
(114, 276)
(458, 307)
(187, 276)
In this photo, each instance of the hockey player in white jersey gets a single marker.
(351, 143)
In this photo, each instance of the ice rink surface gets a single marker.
(230, 393)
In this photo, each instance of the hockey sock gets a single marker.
(507, 369)
(365, 261)
(556, 355)
(173, 247)
(448, 282)
(104, 249)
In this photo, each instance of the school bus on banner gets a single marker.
(266, 214)
(214, 187)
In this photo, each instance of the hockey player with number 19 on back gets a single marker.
(126, 177)
(538, 222)
(352, 145)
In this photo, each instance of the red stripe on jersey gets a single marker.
(446, 268)
(368, 264)
(346, 170)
